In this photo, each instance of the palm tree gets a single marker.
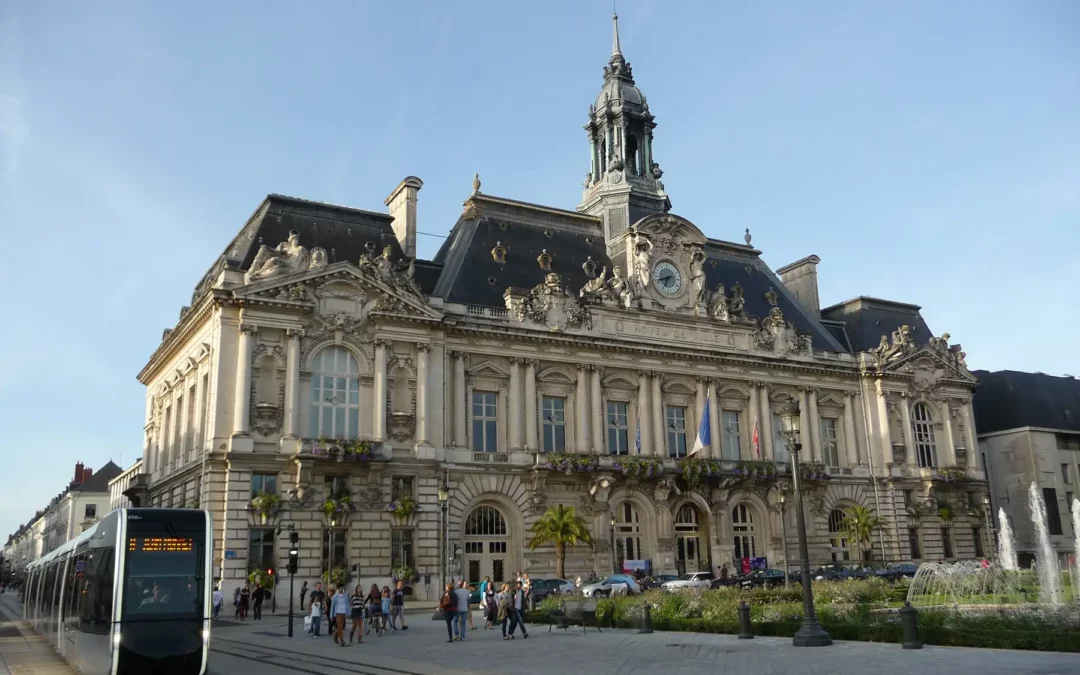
(560, 526)
(859, 525)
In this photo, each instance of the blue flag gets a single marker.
(704, 432)
(638, 439)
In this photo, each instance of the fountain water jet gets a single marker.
(1049, 575)
(1076, 548)
(1006, 543)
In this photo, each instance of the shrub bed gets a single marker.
(848, 610)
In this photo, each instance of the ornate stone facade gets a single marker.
(575, 371)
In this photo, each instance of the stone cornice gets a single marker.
(192, 321)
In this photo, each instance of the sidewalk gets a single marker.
(21, 651)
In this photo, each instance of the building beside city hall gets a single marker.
(325, 378)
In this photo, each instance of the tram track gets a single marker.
(292, 657)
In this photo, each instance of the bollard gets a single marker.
(909, 619)
(646, 619)
(746, 632)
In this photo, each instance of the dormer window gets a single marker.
(498, 253)
(589, 267)
(544, 259)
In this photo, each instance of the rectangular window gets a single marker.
(189, 423)
(553, 411)
(261, 549)
(402, 486)
(485, 421)
(166, 438)
(178, 432)
(913, 543)
(909, 498)
(730, 435)
(90, 511)
(1068, 500)
(830, 450)
(780, 449)
(946, 543)
(1068, 441)
(618, 436)
(401, 549)
(976, 532)
(205, 411)
(334, 544)
(676, 431)
(474, 547)
(1065, 475)
(338, 486)
(1053, 511)
(263, 484)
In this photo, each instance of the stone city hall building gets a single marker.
(325, 377)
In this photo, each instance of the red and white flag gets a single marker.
(757, 444)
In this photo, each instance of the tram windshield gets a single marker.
(164, 575)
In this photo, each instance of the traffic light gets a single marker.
(294, 551)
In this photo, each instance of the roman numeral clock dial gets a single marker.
(667, 278)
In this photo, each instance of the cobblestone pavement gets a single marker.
(423, 650)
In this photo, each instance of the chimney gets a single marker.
(87, 472)
(78, 479)
(800, 277)
(402, 203)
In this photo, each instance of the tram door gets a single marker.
(486, 544)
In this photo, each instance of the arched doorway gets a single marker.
(628, 534)
(486, 544)
(838, 541)
(742, 526)
(690, 555)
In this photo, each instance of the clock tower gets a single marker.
(623, 184)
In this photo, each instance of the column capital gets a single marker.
(249, 328)
(583, 367)
(808, 389)
(850, 394)
(460, 356)
(656, 375)
(760, 384)
(295, 332)
(423, 347)
(384, 343)
(642, 373)
(515, 360)
(905, 394)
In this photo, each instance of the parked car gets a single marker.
(602, 589)
(768, 577)
(689, 580)
(541, 588)
(732, 580)
(895, 571)
(657, 581)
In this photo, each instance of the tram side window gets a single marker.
(76, 585)
(95, 609)
(48, 597)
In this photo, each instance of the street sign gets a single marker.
(230, 554)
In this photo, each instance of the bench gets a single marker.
(574, 611)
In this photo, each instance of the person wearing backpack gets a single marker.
(448, 605)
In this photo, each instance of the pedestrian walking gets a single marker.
(461, 596)
(257, 597)
(386, 606)
(505, 609)
(303, 594)
(317, 600)
(245, 602)
(339, 609)
(356, 604)
(447, 604)
(491, 609)
(397, 605)
(519, 599)
(217, 599)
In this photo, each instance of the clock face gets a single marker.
(667, 278)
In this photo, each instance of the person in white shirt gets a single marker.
(218, 599)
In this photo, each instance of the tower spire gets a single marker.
(615, 49)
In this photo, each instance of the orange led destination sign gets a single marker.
(160, 545)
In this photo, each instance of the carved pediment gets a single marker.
(670, 225)
(900, 353)
(927, 367)
(488, 369)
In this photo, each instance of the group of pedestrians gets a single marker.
(384, 608)
(244, 598)
(503, 606)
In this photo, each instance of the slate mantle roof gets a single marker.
(863, 320)
(1010, 399)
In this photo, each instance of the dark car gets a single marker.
(768, 578)
(895, 571)
(732, 580)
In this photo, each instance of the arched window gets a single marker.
(335, 394)
(742, 524)
(627, 533)
(838, 542)
(690, 555)
(923, 426)
(486, 544)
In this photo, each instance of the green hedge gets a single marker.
(848, 610)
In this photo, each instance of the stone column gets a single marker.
(379, 423)
(815, 426)
(909, 443)
(644, 415)
(884, 437)
(970, 438)
(948, 459)
(242, 396)
(851, 445)
(461, 403)
(513, 414)
(597, 411)
(292, 382)
(659, 426)
(422, 350)
(765, 434)
(581, 409)
(714, 419)
(532, 439)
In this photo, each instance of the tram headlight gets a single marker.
(205, 631)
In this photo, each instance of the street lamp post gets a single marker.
(990, 526)
(614, 557)
(810, 634)
(783, 531)
(444, 501)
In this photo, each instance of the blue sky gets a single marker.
(929, 152)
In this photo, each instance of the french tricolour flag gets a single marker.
(704, 433)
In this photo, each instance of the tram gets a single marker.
(130, 595)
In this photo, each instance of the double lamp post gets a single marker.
(810, 634)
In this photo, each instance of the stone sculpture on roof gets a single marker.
(902, 343)
(285, 258)
(697, 278)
